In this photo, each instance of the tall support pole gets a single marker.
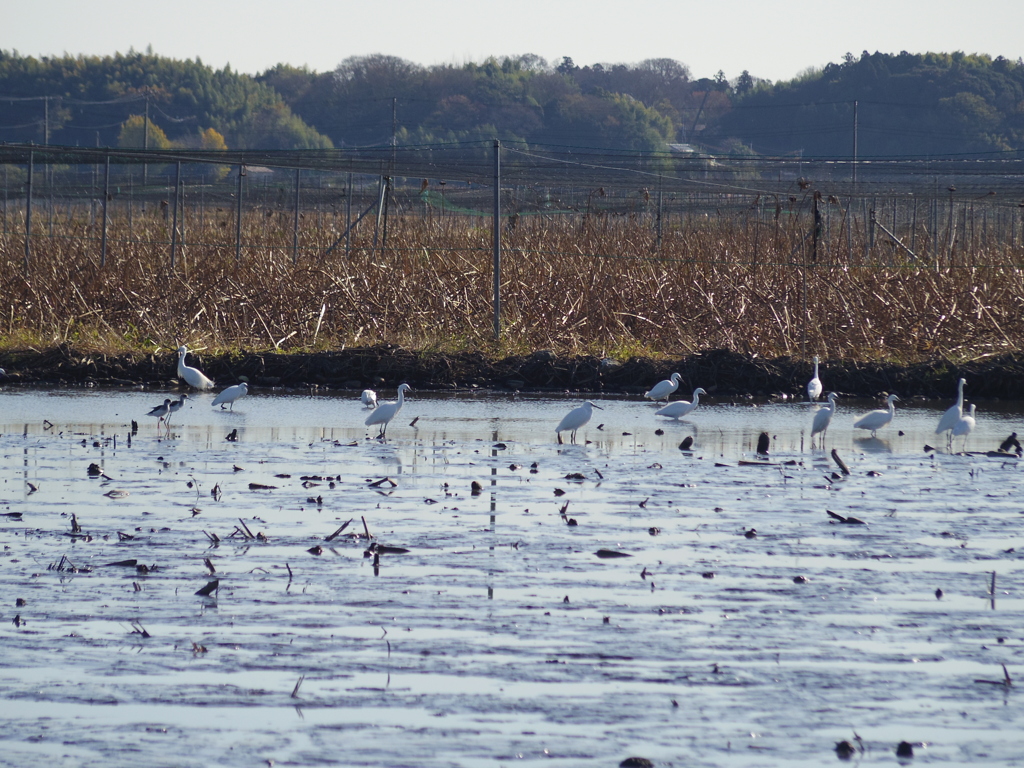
(145, 145)
(497, 239)
(855, 145)
(28, 212)
(348, 216)
(174, 220)
(106, 197)
(238, 215)
(295, 221)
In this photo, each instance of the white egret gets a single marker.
(664, 389)
(369, 398)
(192, 376)
(953, 413)
(680, 408)
(385, 412)
(575, 419)
(877, 419)
(229, 395)
(964, 426)
(814, 385)
(823, 418)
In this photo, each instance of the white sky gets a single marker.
(773, 40)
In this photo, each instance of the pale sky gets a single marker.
(772, 40)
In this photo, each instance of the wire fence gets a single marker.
(305, 203)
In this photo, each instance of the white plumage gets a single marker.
(664, 389)
(877, 419)
(680, 408)
(369, 398)
(814, 385)
(229, 395)
(953, 413)
(964, 426)
(575, 419)
(192, 376)
(385, 412)
(823, 418)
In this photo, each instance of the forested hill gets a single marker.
(907, 105)
(91, 101)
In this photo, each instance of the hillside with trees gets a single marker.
(103, 101)
(907, 105)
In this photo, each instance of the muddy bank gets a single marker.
(721, 373)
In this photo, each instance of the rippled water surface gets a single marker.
(500, 638)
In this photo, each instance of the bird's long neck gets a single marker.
(815, 369)
(960, 395)
(696, 396)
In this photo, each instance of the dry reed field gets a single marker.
(600, 284)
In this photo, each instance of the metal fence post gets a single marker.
(497, 239)
(238, 216)
(295, 224)
(28, 212)
(174, 220)
(106, 197)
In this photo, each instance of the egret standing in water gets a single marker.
(953, 414)
(192, 376)
(229, 395)
(369, 398)
(664, 389)
(964, 427)
(385, 412)
(814, 385)
(575, 419)
(680, 408)
(877, 419)
(823, 418)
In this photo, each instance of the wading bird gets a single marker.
(385, 412)
(369, 398)
(964, 426)
(161, 411)
(575, 419)
(192, 376)
(229, 395)
(176, 406)
(680, 408)
(823, 418)
(814, 385)
(664, 389)
(953, 414)
(877, 419)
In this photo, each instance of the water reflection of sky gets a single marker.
(501, 637)
(724, 429)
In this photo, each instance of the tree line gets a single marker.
(902, 105)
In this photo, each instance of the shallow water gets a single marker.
(500, 638)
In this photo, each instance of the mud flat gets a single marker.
(721, 372)
(704, 609)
